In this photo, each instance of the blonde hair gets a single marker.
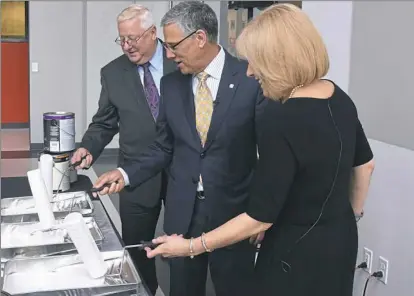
(284, 50)
(137, 11)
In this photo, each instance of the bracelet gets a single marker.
(191, 248)
(203, 242)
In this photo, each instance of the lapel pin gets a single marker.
(231, 85)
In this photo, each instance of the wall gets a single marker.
(387, 226)
(14, 66)
(333, 19)
(101, 32)
(71, 41)
(388, 52)
(56, 44)
(15, 82)
(381, 80)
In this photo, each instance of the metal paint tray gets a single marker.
(26, 240)
(67, 275)
(23, 209)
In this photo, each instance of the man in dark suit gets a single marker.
(129, 105)
(207, 141)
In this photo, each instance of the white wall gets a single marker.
(387, 226)
(381, 83)
(333, 19)
(56, 44)
(71, 42)
(101, 32)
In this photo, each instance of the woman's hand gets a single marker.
(170, 246)
(257, 238)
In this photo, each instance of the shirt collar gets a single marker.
(157, 59)
(215, 68)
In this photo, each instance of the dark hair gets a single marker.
(191, 16)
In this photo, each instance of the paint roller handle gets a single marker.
(93, 189)
(142, 245)
(150, 245)
(75, 164)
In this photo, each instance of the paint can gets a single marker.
(61, 171)
(59, 132)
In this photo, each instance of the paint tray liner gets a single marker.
(28, 240)
(66, 275)
(23, 209)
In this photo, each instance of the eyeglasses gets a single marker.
(131, 40)
(173, 47)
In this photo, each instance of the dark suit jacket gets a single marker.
(227, 161)
(123, 108)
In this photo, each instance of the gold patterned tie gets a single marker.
(203, 106)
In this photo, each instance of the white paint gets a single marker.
(29, 235)
(333, 19)
(46, 169)
(106, 201)
(85, 245)
(42, 202)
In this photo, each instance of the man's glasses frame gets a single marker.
(130, 40)
(173, 47)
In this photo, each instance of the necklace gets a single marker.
(294, 90)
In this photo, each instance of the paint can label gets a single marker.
(59, 132)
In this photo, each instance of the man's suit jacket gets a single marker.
(123, 108)
(227, 160)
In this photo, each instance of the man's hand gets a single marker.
(257, 239)
(77, 156)
(114, 178)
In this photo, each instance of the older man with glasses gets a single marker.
(129, 105)
(209, 116)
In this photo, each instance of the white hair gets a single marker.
(137, 11)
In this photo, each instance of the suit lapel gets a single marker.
(225, 94)
(168, 65)
(189, 107)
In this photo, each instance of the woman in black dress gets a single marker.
(314, 169)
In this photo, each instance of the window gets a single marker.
(14, 20)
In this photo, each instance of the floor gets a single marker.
(16, 160)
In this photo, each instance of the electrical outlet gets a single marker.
(383, 266)
(367, 257)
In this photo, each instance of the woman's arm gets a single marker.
(362, 170)
(234, 231)
(360, 180)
